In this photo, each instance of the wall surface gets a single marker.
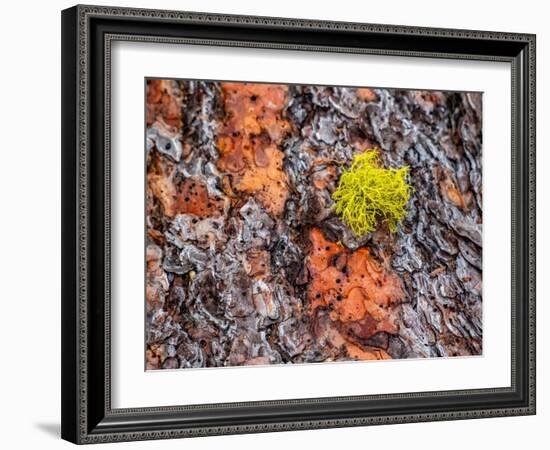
(30, 225)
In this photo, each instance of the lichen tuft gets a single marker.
(368, 194)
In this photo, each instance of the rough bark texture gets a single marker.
(247, 262)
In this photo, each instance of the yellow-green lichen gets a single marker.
(368, 193)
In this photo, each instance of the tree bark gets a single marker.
(247, 262)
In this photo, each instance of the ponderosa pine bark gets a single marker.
(247, 262)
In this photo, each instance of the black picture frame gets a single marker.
(87, 34)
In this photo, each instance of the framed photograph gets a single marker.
(279, 224)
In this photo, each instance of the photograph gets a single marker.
(294, 223)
